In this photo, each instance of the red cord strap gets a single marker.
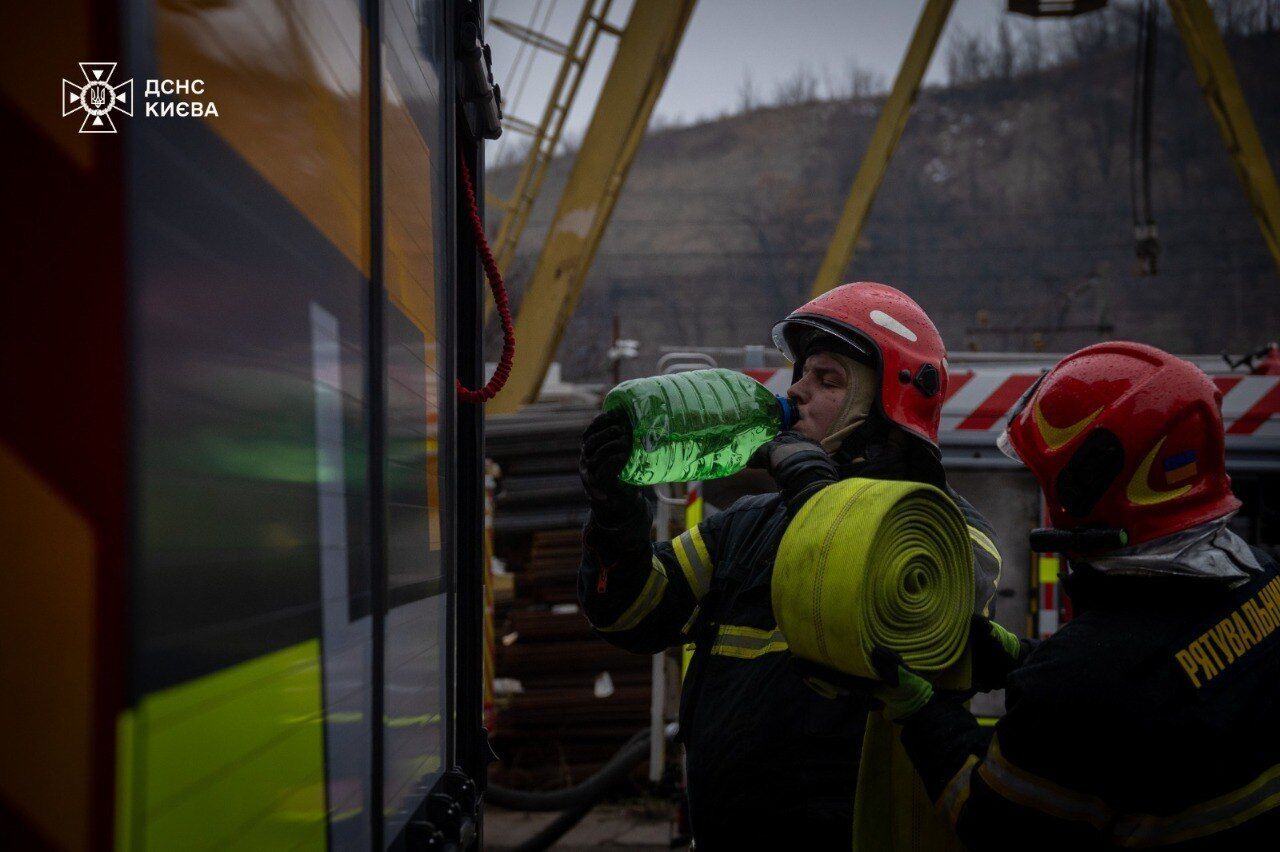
(500, 375)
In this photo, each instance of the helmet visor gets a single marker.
(1005, 445)
(1004, 442)
(794, 335)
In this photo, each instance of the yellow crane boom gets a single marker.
(645, 52)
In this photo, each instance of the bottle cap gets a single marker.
(788, 412)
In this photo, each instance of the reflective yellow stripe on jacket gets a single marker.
(1132, 830)
(956, 793)
(984, 541)
(696, 567)
(1021, 787)
(695, 562)
(747, 643)
(646, 602)
(1239, 806)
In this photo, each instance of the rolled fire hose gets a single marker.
(871, 562)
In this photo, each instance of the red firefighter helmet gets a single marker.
(893, 334)
(1125, 436)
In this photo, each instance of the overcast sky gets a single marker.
(726, 40)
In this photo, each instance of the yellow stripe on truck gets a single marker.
(233, 757)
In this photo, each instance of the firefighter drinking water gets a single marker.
(1149, 719)
(771, 762)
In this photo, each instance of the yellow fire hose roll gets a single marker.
(873, 562)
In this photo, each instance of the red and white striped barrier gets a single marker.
(981, 400)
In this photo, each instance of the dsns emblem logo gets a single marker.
(97, 97)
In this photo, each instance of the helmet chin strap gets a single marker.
(832, 442)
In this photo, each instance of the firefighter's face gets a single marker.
(819, 395)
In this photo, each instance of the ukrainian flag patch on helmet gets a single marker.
(1179, 467)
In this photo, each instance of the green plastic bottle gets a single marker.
(703, 424)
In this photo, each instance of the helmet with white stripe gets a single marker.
(885, 328)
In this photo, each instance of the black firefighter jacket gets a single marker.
(1151, 719)
(768, 759)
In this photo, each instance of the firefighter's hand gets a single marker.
(902, 692)
(800, 467)
(996, 653)
(830, 683)
(606, 446)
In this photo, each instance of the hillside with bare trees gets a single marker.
(1006, 210)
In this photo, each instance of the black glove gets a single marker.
(606, 446)
(902, 690)
(897, 689)
(996, 652)
(830, 683)
(800, 467)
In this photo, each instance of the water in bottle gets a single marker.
(697, 425)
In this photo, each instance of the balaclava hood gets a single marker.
(860, 379)
(859, 439)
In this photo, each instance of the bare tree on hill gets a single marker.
(801, 87)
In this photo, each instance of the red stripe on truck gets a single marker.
(998, 404)
(1265, 407)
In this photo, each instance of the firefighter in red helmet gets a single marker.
(1149, 718)
(770, 761)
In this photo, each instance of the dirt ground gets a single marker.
(635, 826)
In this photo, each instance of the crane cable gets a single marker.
(496, 285)
(518, 89)
(1145, 233)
